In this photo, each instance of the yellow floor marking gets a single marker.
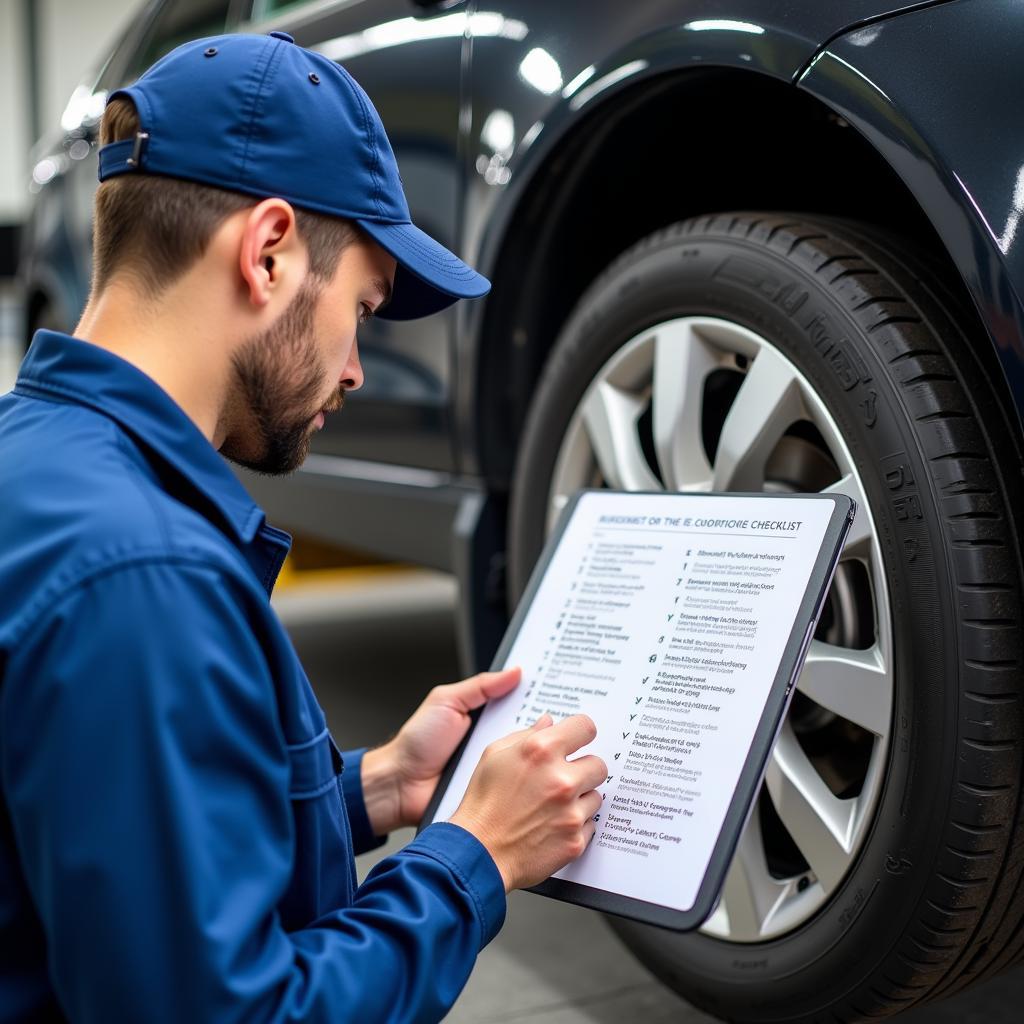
(292, 578)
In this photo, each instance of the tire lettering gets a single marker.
(897, 865)
(907, 508)
(740, 271)
(844, 369)
(898, 477)
(789, 300)
(750, 965)
(870, 409)
(848, 915)
(818, 329)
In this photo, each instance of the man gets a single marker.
(177, 827)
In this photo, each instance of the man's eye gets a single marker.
(365, 312)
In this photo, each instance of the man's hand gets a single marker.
(400, 777)
(531, 807)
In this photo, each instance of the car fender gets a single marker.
(936, 92)
(596, 69)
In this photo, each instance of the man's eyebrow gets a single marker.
(384, 288)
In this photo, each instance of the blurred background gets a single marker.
(47, 47)
(374, 636)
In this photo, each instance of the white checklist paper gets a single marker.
(664, 618)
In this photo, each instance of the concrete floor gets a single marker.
(372, 646)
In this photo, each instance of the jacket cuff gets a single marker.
(467, 858)
(363, 838)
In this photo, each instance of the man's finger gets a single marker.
(544, 722)
(591, 803)
(590, 771)
(574, 732)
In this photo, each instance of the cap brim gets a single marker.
(428, 278)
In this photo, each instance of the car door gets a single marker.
(407, 57)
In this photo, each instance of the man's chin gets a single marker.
(277, 460)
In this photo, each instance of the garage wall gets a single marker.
(74, 38)
(14, 110)
(46, 48)
(71, 37)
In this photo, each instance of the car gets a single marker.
(734, 246)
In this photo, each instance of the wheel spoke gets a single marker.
(853, 684)
(682, 362)
(819, 822)
(751, 895)
(766, 404)
(858, 540)
(610, 416)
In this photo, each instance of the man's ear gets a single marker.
(270, 253)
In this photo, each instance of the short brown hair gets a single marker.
(155, 228)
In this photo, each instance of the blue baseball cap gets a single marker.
(263, 116)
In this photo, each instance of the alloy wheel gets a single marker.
(703, 404)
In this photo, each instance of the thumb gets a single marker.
(471, 693)
(497, 684)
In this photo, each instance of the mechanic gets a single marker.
(177, 828)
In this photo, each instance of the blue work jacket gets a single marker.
(176, 828)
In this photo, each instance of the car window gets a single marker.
(178, 22)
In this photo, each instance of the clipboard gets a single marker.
(832, 515)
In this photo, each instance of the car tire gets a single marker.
(930, 899)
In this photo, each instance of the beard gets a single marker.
(278, 381)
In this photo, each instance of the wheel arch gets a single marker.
(745, 140)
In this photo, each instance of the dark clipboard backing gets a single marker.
(766, 731)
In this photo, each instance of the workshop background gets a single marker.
(552, 963)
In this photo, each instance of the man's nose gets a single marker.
(352, 375)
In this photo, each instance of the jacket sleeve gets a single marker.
(147, 781)
(363, 836)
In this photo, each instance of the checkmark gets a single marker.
(644, 681)
(617, 756)
(609, 779)
(625, 735)
(631, 717)
(637, 701)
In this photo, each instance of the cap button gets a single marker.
(282, 35)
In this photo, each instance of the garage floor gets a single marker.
(373, 641)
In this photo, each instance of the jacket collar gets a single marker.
(72, 370)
